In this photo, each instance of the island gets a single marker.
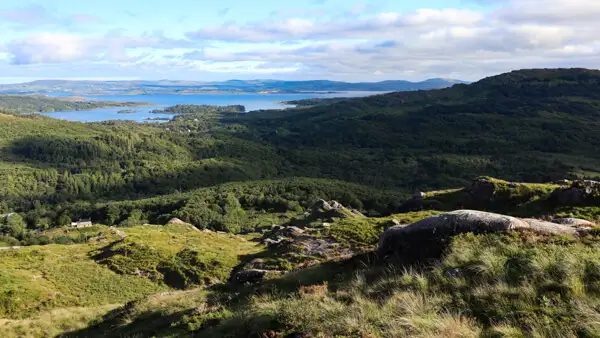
(187, 109)
(127, 111)
(306, 103)
(27, 104)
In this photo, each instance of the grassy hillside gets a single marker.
(54, 288)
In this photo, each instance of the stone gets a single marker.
(321, 205)
(549, 227)
(394, 222)
(574, 222)
(482, 190)
(291, 231)
(457, 222)
(453, 273)
(117, 232)
(577, 193)
(418, 196)
(274, 243)
(335, 205)
(250, 276)
(568, 196)
(277, 228)
(176, 221)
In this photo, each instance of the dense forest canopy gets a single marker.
(534, 125)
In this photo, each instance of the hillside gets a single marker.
(536, 125)
(300, 222)
(39, 104)
(318, 274)
(397, 143)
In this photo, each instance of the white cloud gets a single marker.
(371, 46)
(63, 47)
(47, 47)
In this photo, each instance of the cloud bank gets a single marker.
(456, 43)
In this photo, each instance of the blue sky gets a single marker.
(349, 40)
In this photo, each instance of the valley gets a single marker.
(465, 211)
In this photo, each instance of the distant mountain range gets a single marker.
(231, 86)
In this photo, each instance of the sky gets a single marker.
(344, 40)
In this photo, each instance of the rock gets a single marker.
(321, 205)
(482, 190)
(335, 205)
(568, 196)
(418, 196)
(574, 222)
(577, 193)
(549, 227)
(117, 232)
(587, 186)
(444, 226)
(453, 273)
(275, 243)
(249, 276)
(176, 221)
(277, 228)
(394, 222)
(291, 231)
(316, 247)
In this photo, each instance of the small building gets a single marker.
(82, 223)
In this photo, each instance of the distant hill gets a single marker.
(38, 103)
(250, 86)
(535, 125)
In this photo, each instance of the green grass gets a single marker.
(364, 232)
(37, 279)
(41, 278)
(517, 285)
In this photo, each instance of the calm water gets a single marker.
(250, 101)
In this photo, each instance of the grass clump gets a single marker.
(176, 255)
(517, 285)
(364, 232)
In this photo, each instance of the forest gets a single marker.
(46, 104)
(210, 165)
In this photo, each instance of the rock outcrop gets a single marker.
(249, 276)
(577, 193)
(574, 222)
(440, 228)
(324, 210)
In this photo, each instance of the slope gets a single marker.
(534, 125)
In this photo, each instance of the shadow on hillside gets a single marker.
(120, 323)
(116, 324)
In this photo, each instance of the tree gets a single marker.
(63, 220)
(14, 225)
(113, 213)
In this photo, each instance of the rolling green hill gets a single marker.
(260, 175)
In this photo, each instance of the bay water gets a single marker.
(252, 102)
